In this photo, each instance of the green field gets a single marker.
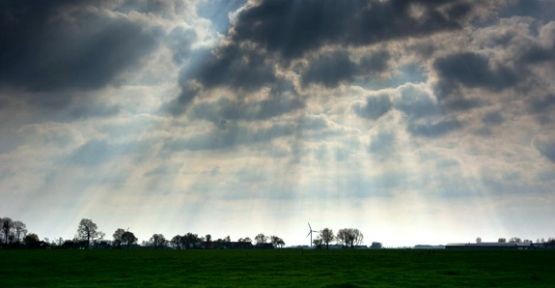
(276, 268)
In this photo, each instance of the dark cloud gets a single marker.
(374, 108)
(157, 7)
(534, 54)
(541, 9)
(433, 129)
(331, 69)
(471, 70)
(229, 66)
(461, 104)
(543, 104)
(225, 109)
(291, 28)
(493, 118)
(53, 45)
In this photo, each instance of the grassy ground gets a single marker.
(276, 268)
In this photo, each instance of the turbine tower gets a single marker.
(310, 231)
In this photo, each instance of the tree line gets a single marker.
(14, 234)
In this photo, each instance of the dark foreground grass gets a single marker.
(276, 268)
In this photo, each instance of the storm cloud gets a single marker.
(59, 45)
(292, 28)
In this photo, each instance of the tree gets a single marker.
(208, 238)
(158, 241)
(515, 240)
(20, 230)
(190, 240)
(317, 243)
(244, 240)
(128, 239)
(117, 237)
(88, 231)
(350, 236)
(6, 226)
(260, 239)
(32, 241)
(327, 236)
(277, 242)
(176, 242)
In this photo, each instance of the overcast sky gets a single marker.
(413, 121)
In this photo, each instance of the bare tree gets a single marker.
(88, 231)
(20, 230)
(350, 236)
(260, 238)
(327, 236)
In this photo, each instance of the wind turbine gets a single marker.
(310, 231)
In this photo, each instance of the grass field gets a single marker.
(276, 268)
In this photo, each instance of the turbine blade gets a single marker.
(309, 226)
(309, 233)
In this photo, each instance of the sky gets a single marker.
(417, 122)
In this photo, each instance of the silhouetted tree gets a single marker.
(244, 240)
(227, 239)
(260, 238)
(190, 240)
(128, 239)
(327, 236)
(158, 241)
(350, 236)
(176, 242)
(117, 237)
(32, 241)
(6, 226)
(277, 242)
(318, 243)
(208, 238)
(88, 231)
(515, 240)
(19, 231)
